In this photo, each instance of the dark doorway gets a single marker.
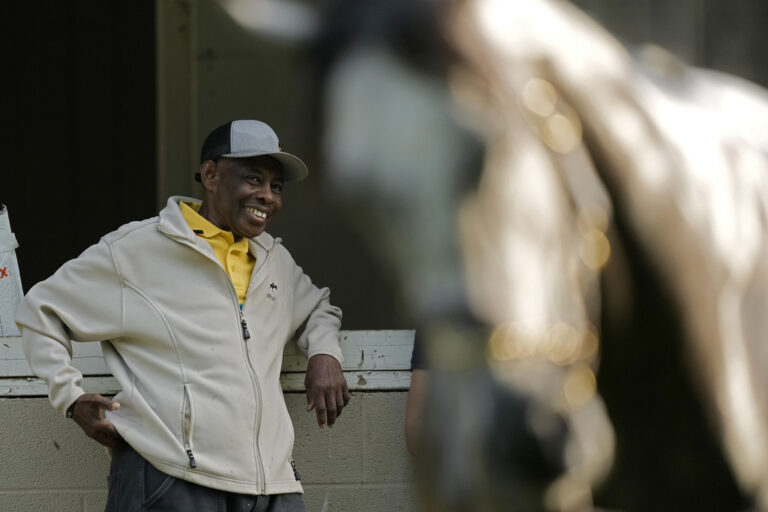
(78, 139)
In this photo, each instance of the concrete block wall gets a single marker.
(360, 465)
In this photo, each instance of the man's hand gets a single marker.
(88, 413)
(326, 387)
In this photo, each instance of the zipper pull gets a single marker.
(192, 461)
(295, 472)
(246, 334)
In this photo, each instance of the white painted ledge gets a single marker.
(373, 361)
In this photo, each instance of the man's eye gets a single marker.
(277, 187)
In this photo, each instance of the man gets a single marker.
(195, 306)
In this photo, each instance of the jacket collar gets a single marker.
(173, 224)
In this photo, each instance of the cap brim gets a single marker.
(293, 168)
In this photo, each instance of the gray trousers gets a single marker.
(136, 486)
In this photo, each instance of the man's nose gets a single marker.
(265, 193)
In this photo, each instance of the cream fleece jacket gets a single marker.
(200, 400)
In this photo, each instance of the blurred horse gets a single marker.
(529, 178)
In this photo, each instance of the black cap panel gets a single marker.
(216, 143)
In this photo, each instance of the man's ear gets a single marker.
(208, 174)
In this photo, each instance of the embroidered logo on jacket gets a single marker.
(272, 292)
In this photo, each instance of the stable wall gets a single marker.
(359, 465)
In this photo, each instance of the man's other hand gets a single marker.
(88, 413)
(327, 391)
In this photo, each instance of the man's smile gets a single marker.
(258, 213)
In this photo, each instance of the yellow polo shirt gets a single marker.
(233, 256)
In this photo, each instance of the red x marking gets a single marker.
(3, 272)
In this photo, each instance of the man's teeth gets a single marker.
(257, 213)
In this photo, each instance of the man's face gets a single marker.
(242, 194)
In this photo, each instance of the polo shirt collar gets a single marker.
(202, 226)
(173, 223)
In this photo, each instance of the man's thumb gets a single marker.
(109, 405)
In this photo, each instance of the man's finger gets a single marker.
(322, 413)
(340, 402)
(106, 404)
(101, 407)
(330, 407)
(96, 401)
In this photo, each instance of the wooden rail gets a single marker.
(373, 361)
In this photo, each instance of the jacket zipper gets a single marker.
(296, 474)
(244, 325)
(186, 426)
(192, 461)
(254, 381)
(257, 392)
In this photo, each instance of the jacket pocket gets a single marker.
(187, 425)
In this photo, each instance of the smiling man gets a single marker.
(193, 309)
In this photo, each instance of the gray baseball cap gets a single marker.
(247, 137)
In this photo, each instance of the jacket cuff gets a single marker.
(71, 409)
(65, 402)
